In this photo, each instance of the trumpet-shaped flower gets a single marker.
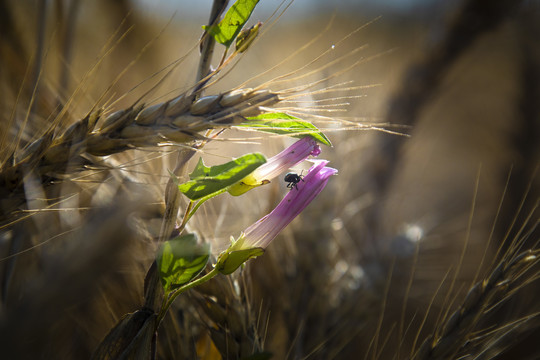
(276, 165)
(294, 154)
(261, 233)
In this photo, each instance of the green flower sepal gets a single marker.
(246, 184)
(235, 256)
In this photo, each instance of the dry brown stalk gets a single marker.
(483, 297)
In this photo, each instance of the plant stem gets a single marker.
(190, 211)
(208, 42)
(187, 215)
(172, 196)
(172, 296)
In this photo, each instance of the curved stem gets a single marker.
(172, 296)
(191, 210)
(187, 215)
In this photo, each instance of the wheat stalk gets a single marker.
(482, 298)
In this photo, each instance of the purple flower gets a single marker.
(261, 233)
(276, 165)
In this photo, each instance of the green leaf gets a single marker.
(234, 20)
(282, 123)
(209, 180)
(181, 259)
(230, 261)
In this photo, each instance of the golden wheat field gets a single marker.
(424, 245)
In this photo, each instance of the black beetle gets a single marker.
(293, 179)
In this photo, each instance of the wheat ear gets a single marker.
(179, 121)
(482, 298)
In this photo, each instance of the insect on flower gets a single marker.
(261, 233)
(293, 179)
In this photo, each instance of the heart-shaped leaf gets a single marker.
(181, 259)
(213, 180)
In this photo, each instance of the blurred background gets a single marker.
(375, 265)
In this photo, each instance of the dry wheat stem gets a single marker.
(483, 297)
